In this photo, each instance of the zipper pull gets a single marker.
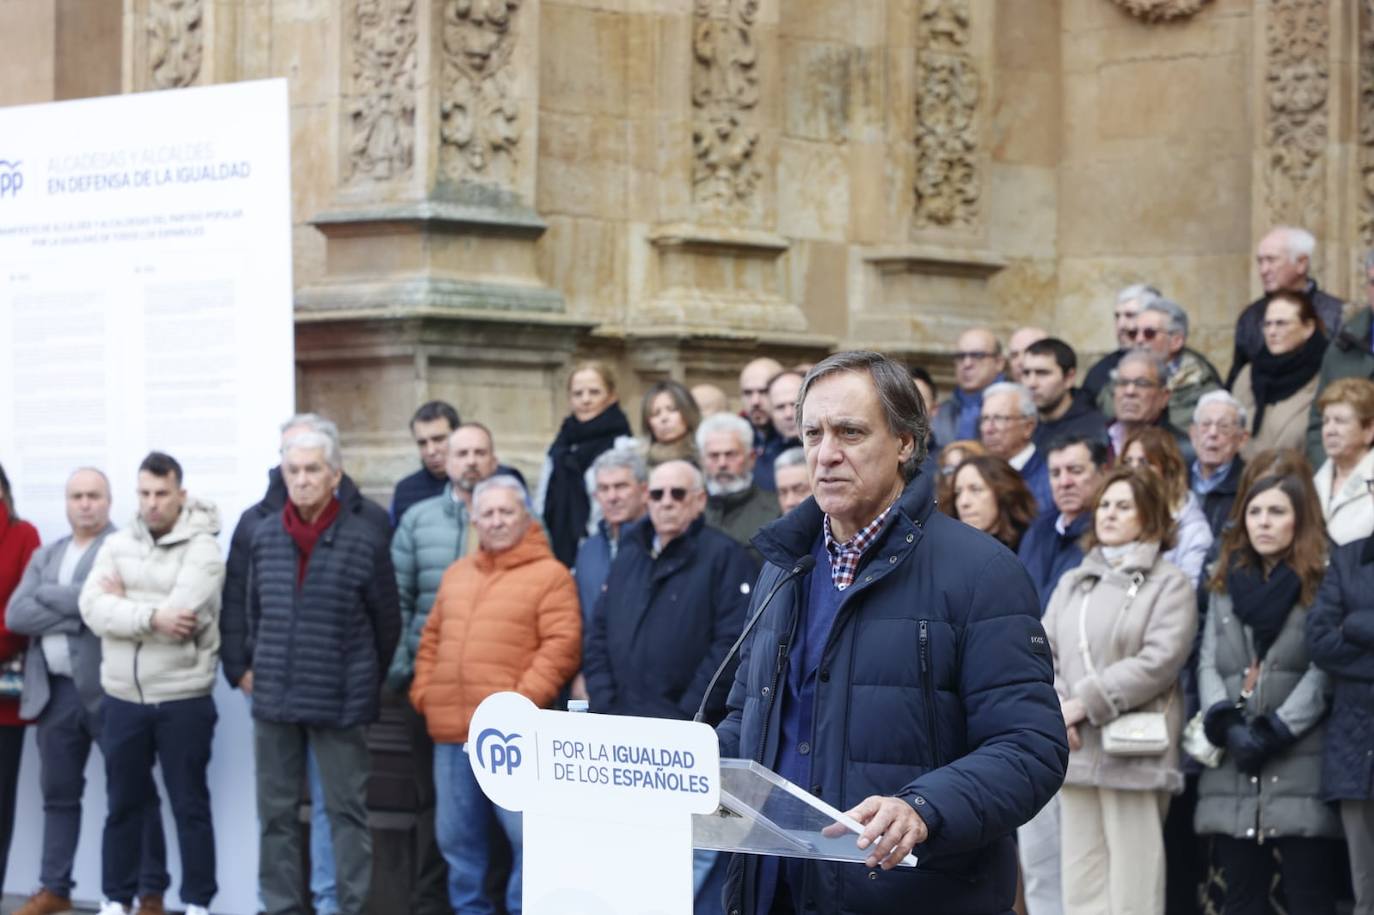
(924, 642)
(782, 658)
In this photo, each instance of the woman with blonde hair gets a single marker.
(1342, 482)
(1156, 449)
(1265, 700)
(1120, 629)
(592, 426)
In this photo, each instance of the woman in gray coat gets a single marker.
(1265, 703)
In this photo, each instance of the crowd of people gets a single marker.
(1198, 547)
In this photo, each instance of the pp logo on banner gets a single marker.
(502, 752)
(11, 179)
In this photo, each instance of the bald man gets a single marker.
(978, 362)
(758, 409)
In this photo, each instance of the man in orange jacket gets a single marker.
(505, 618)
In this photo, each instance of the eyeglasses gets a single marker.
(678, 493)
(1142, 333)
(1224, 426)
(973, 356)
(994, 419)
(1140, 384)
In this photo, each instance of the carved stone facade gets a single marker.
(1365, 217)
(176, 42)
(1160, 10)
(1297, 44)
(381, 102)
(725, 98)
(479, 109)
(948, 91)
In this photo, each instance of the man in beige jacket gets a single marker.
(153, 598)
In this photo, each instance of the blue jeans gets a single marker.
(462, 817)
(321, 847)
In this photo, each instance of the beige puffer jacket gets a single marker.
(182, 570)
(1141, 619)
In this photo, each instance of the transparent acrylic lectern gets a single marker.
(762, 813)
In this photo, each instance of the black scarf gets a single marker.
(1276, 378)
(566, 506)
(1263, 605)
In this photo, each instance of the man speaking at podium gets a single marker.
(905, 678)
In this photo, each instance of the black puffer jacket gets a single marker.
(233, 615)
(318, 650)
(1340, 639)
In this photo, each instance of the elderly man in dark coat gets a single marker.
(905, 678)
(324, 620)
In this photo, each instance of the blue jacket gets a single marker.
(592, 566)
(662, 626)
(964, 723)
(1036, 474)
(1340, 640)
(1048, 554)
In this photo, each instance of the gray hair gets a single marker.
(1297, 242)
(725, 422)
(315, 422)
(618, 458)
(1149, 358)
(312, 439)
(1025, 402)
(1144, 293)
(501, 481)
(1224, 398)
(792, 457)
(1178, 318)
(699, 478)
(902, 405)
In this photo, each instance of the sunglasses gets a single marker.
(1143, 333)
(678, 493)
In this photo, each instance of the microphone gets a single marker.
(803, 565)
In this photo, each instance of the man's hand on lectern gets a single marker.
(892, 827)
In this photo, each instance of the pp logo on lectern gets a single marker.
(502, 752)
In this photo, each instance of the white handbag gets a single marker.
(1134, 733)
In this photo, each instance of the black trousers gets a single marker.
(11, 750)
(429, 891)
(1309, 878)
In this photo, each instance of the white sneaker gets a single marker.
(197, 910)
(109, 907)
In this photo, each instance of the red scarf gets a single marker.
(307, 533)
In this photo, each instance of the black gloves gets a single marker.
(1254, 743)
(1219, 720)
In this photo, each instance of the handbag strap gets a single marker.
(1137, 579)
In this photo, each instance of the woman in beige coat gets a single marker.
(1120, 627)
(1347, 411)
(1278, 388)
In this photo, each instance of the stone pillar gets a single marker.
(915, 297)
(430, 267)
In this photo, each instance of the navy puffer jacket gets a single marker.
(935, 686)
(318, 651)
(1340, 640)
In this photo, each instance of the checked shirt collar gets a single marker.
(844, 557)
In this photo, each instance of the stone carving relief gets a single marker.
(381, 105)
(176, 42)
(948, 91)
(1160, 10)
(1366, 125)
(1297, 38)
(725, 97)
(479, 112)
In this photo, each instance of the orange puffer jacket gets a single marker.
(501, 621)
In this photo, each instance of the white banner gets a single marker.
(146, 304)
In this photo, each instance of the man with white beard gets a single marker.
(737, 506)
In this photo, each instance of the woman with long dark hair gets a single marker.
(1265, 702)
(592, 427)
(990, 495)
(670, 417)
(18, 540)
